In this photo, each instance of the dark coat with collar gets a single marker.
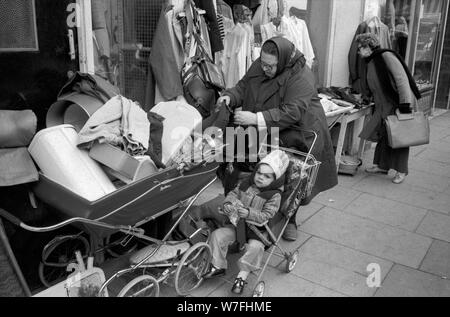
(289, 101)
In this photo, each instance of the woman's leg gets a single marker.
(388, 158)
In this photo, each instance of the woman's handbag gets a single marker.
(212, 74)
(409, 129)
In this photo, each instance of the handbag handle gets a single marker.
(404, 116)
(202, 49)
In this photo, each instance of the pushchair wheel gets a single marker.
(258, 291)
(57, 255)
(141, 286)
(291, 261)
(192, 268)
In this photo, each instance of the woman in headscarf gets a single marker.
(279, 91)
(393, 87)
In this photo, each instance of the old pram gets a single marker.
(124, 211)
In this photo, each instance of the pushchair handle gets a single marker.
(310, 148)
(10, 217)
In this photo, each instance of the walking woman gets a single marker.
(392, 87)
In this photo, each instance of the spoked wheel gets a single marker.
(192, 268)
(291, 261)
(141, 286)
(258, 291)
(57, 255)
(119, 244)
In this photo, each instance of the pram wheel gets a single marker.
(291, 261)
(141, 286)
(59, 253)
(258, 291)
(192, 267)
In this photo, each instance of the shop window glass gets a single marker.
(18, 26)
(427, 41)
(396, 14)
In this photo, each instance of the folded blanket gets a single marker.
(17, 128)
(119, 122)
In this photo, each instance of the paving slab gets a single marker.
(432, 182)
(435, 155)
(440, 145)
(223, 290)
(437, 168)
(207, 287)
(280, 284)
(348, 181)
(416, 150)
(405, 193)
(446, 139)
(305, 212)
(290, 246)
(387, 211)
(435, 225)
(338, 197)
(437, 260)
(441, 121)
(377, 239)
(438, 132)
(340, 256)
(333, 277)
(337, 267)
(406, 282)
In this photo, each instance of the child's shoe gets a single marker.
(238, 286)
(214, 272)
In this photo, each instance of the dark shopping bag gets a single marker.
(405, 130)
(212, 74)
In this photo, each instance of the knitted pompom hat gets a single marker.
(278, 161)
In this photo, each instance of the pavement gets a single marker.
(367, 236)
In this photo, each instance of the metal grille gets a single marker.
(137, 23)
(18, 25)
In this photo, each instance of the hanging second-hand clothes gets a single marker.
(357, 65)
(170, 50)
(211, 21)
(237, 56)
(295, 30)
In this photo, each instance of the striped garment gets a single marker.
(221, 26)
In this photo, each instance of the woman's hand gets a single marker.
(227, 100)
(245, 118)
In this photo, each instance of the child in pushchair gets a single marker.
(257, 199)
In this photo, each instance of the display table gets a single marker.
(357, 116)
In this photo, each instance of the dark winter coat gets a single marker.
(289, 101)
(385, 104)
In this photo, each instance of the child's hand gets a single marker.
(243, 213)
(227, 209)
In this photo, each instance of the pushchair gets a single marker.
(300, 178)
(124, 211)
